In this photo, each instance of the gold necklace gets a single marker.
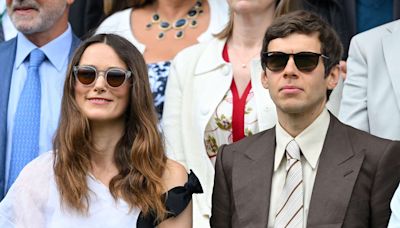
(179, 25)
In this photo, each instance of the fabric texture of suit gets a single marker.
(356, 178)
(7, 58)
(85, 16)
(371, 93)
(198, 82)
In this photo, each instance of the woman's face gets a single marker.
(250, 6)
(100, 101)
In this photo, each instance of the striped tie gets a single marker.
(290, 212)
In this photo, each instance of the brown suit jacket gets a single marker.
(356, 178)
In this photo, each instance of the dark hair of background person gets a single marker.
(303, 22)
(118, 5)
(139, 154)
(85, 16)
(227, 31)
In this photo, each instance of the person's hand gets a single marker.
(343, 69)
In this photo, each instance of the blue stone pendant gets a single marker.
(165, 25)
(155, 18)
(161, 36)
(179, 34)
(193, 24)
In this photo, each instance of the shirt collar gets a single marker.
(56, 51)
(310, 140)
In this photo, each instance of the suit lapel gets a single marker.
(7, 58)
(337, 173)
(251, 180)
(74, 44)
(391, 48)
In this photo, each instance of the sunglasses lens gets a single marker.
(306, 61)
(85, 75)
(115, 77)
(276, 62)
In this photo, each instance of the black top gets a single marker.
(176, 200)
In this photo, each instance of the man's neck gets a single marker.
(295, 123)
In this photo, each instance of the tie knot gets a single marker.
(293, 150)
(36, 58)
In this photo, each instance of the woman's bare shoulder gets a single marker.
(174, 175)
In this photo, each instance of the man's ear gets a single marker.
(333, 77)
(264, 79)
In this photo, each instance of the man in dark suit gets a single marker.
(42, 28)
(310, 170)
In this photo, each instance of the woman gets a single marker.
(162, 28)
(215, 96)
(108, 168)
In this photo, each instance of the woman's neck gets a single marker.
(105, 137)
(173, 9)
(249, 29)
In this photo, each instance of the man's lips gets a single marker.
(290, 89)
(24, 10)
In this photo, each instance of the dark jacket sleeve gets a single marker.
(221, 212)
(386, 180)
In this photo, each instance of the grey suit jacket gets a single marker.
(357, 176)
(371, 92)
(7, 58)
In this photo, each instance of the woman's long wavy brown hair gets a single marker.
(139, 154)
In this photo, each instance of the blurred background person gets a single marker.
(108, 167)
(7, 29)
(162, 28)
(371, 98)
(85, 16)
(214, 95)
(33, 67)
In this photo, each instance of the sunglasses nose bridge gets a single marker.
(100, 81)
(290, 64)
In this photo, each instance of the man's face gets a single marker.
(297, 91)
(35, 16)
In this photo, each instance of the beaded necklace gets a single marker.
(179, 25)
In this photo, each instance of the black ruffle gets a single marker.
(177, 199)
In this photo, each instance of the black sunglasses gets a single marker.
(305, 61)
(87, 75)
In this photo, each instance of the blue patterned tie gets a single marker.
(25, 141)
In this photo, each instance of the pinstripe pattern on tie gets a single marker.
(290, 209)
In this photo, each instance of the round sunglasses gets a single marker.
(87, 75)
(304, 61)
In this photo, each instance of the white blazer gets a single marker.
(371, 93)
(198, 81)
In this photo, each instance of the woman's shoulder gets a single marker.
(174, 175)
(115, 22)
(42, 164)
(203, 50)
(181, 186)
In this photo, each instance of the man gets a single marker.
(310, 170)
(371, 93)
(33, 67)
